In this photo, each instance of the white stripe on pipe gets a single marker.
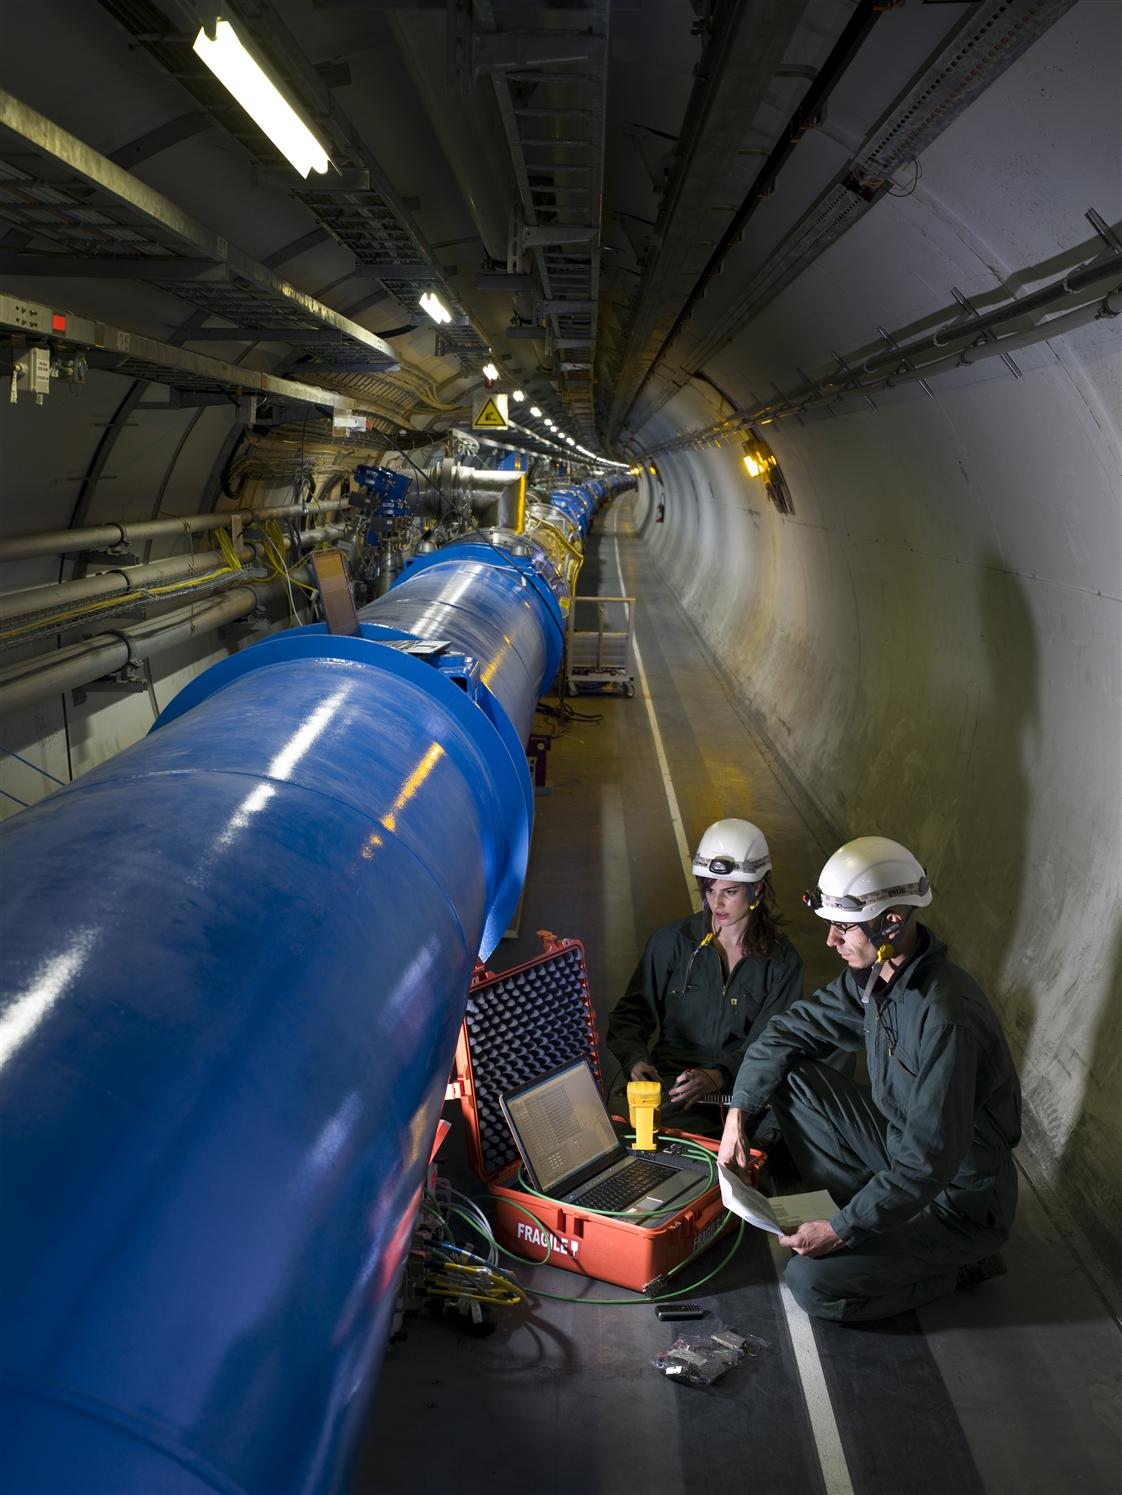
(816, 1394)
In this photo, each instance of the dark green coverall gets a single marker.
(703, 1020)
(923, 1169)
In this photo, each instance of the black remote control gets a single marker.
(669, 1311)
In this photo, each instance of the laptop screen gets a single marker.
(561, 1123)
(335, 592)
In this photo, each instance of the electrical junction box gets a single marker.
(519, 1025)
(31, 374)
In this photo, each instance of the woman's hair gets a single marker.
(761, 938)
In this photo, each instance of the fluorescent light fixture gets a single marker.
(431, 303)
(490, 372)
(517, 396)
(237, 70)
(535, 412)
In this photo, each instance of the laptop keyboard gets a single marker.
(624, 1187)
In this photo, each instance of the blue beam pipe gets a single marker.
(235, 961)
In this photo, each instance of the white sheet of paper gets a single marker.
(781, 1215)
(747, 1202)
(793, 1210)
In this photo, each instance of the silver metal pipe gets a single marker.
(496, 497)
(32, 680)
(122, 581)
(117, 583)
(120, 532)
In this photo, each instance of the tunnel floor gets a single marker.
(1008, 1388)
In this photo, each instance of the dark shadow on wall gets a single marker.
(984, 877)
(937, 759)
(986, 880)
(1088, 1175)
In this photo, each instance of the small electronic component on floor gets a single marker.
(672, 1311)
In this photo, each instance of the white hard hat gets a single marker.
(864, 878)
(735, 850)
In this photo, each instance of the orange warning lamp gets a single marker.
(643, 1100)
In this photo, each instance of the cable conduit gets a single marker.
(956, 344)
(28, 681)
(123, 532)
(124, 581)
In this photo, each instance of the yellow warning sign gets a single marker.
(490, 413)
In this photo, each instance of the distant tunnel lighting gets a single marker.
(431, 303)
(761, 462)
(490, 372)
(517, 396)
(238, 72)
(535, 412)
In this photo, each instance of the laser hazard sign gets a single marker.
(490, 413)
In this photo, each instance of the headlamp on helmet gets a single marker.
(867, 877)
(733, 849)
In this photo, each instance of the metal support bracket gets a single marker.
(131, 679)
(988, 337)
(500, 51)
(905, 363)
(113, 556)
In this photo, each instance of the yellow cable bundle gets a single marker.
(121, 599)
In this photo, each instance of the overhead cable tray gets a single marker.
(140, 357)
(85, 216)
(354, 202)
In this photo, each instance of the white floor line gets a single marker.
(816, 1394)
(684, 853)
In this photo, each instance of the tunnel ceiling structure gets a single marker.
(602, 194)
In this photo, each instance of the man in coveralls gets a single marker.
(921, 1163)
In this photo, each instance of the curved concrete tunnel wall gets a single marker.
(931, 640)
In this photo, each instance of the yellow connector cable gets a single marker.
(92, 609)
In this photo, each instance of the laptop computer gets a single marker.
(571, 1152)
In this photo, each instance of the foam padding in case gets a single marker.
(520, 1024)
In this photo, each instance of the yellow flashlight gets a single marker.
(643, 1099)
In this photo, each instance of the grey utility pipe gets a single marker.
(32, 680)
(122, 581)
(1109, 306)
(120, 532)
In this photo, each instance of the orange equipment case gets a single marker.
(520, 1024)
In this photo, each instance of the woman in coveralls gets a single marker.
(707, 985)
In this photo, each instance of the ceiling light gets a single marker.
(517, 396)
(490, 372)
(534, 411)
(431, 303)
(239, 73)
